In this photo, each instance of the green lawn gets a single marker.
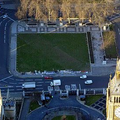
(92, 99)
(33, 105)
(52, 52)
(69, 117)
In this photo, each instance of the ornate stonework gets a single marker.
(113, 95)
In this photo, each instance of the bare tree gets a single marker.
(95, 11)
(51, 9)
(22, 9)
(20, 14)
(81, 9)
(66, 9)
(100, 10)
(32, 8)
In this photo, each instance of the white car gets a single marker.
(88, 82)
(83, 76)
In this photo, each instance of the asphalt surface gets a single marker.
(39, 113)
(4, 42)
(15, 84)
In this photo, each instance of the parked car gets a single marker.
(88, 82)
(48, 77)
(83, 76)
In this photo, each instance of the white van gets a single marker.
(87, 82)
(55, 83)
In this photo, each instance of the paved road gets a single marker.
(15, 84)
(57, 102)
(4, 42)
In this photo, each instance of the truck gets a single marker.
(28, 85)
(56, 83)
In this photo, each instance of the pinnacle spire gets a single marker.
(118, 64)
(0, 93)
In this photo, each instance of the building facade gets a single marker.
(113, 95)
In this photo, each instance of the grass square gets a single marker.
(52, 51)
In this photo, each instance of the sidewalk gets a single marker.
(98, 68)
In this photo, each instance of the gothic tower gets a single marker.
(113, 95)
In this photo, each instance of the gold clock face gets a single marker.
(117, 112)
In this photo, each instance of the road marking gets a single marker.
(3, 90)
(11, 19)
(38, 88)
(6, 87)
(11, 78)
(11, 89)
(2, 87)
(5, 82)
(38, 85)
(10, 86)
(6, 78)
(5, 30)
(39, 79)
(85, 111)
(47, 81)
(19, 86)
(19, 80)
(39, 82)
(28, 80)
(13, 83)
(19, 89)
(118, 30)
(2, 21)
(79, 86)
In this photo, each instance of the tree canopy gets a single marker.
(47, 10)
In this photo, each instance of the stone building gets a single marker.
(113, 95)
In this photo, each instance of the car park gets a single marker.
(83, 76)
(48, 77)
(88, 82)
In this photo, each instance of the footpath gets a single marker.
(100, 66)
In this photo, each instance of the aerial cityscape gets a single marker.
(59, 59)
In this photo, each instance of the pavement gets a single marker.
(100, 104)
(100, 67)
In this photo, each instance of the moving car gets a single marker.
(88, 82)
(48, 78)
(83, 76)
